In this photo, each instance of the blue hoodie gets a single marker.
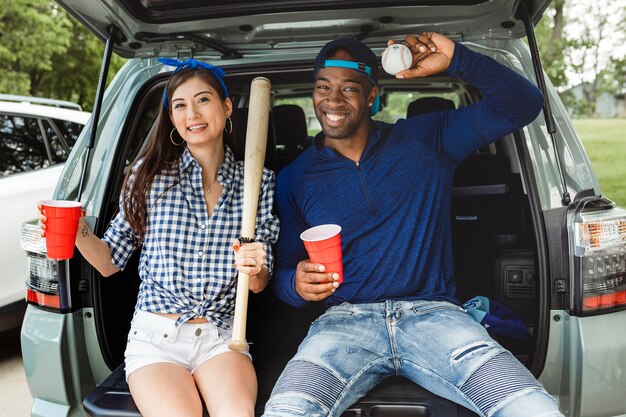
(394, 204)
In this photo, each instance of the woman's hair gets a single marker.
(159, 154)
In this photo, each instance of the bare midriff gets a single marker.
(176, 316)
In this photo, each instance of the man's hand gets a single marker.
(432, 54)
(312, 283)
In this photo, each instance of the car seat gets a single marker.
(291, 133)
(427, 105)
(238, 137)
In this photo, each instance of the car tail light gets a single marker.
(47, 281)
(599, 260)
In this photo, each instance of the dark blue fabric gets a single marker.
(497, 318)
(394, 205)
(504, 322)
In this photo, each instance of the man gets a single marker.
(389, 188)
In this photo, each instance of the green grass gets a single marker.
(605, 143)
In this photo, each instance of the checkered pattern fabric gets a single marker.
(186, 263)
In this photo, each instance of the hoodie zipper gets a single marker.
(367, 197)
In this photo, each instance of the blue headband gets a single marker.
(361, 68)
(216, 72)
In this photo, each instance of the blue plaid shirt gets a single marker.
(186, 264)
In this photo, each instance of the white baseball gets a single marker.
(396, 58)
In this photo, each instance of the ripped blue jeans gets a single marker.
(436, 344)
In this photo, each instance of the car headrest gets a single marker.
(427, 105)
(291, 127)
(238, 137)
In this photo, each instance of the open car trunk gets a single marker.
(493, 239)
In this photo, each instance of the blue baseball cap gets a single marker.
(365, 62)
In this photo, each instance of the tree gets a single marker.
(595, 34)
(613, 77)
(81, 86)
(579, 43)
(31, 32)
(552, 42)
(46, 53)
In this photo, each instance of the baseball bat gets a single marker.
(256, 142)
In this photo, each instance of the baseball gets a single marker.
(396, 58)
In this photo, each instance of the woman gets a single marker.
(182, 203)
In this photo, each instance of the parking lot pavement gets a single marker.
(15, 399)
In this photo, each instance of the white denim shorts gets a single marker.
(155, 339)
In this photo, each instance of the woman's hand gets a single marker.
(43, 221)
(250, 259)
(94, 250)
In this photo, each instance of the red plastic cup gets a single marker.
(61, 226)
(323, 243)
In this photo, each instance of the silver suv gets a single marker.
(530, 226)
(36, 137)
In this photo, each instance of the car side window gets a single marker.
(69, 130)
(22, 146)
(145, 124)
(62, 136)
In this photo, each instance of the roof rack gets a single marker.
(38, 100)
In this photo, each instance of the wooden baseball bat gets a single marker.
(256, 142)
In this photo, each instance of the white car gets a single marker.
(36, 137)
